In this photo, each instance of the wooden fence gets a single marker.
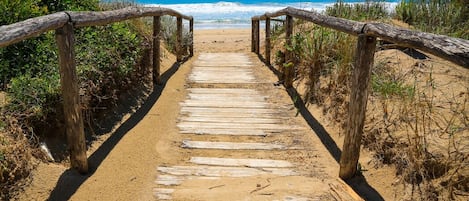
(64, 24)
(453, 49)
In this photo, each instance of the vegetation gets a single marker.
(448, 17)
(404, 125)
(108, 64)
(370, 10)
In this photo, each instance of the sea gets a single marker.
(215, 14)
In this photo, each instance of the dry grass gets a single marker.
(417, 116)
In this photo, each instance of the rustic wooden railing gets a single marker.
(452, 49)
(64, 23)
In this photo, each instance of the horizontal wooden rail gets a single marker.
(455, 50)
(452, 49)
(64, 24)
(19, 31)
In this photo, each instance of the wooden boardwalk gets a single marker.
(239, 138)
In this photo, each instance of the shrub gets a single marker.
(369, 10)
(449, 17)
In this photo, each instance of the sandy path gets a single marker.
(125, 164)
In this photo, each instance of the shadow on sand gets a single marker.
(71, 180)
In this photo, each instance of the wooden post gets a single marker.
(71, 99)
(253, 40)
(357, 107)
(156, 50)
(258, 40)
(179, 39)
(267, 41)
(289, 70)
(191, 30)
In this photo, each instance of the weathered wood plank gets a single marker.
(225, 171)
(282, 117)
(223, 131)
(223, 90)
(256, 163)
(237, 125)
(226, 96)
(196, 103)
(204, 110)
(173, 180)
(231, 145)
(230, 120)
(163, 193)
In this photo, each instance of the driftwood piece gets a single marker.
(358, 99)
(16, 32)
(72, 110)
(455, 50)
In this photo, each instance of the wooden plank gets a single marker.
(221, 75)
(211, 171)
(222, 131)
(237, 115)
(163, 193)
(231, 145)
(226, 96)
(195, 103)
(230, 120)
(220, 68)
(186, 125)
(223, 90)
(236, 125)
(204, 110)
(173, 180)
(256, 163)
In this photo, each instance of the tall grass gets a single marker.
(369, 10)
(448, 17)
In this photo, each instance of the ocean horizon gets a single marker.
(216, 14)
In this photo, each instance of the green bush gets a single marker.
(449, 17)
(370, 10)
(106, 58)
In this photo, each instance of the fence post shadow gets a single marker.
(71, 180)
